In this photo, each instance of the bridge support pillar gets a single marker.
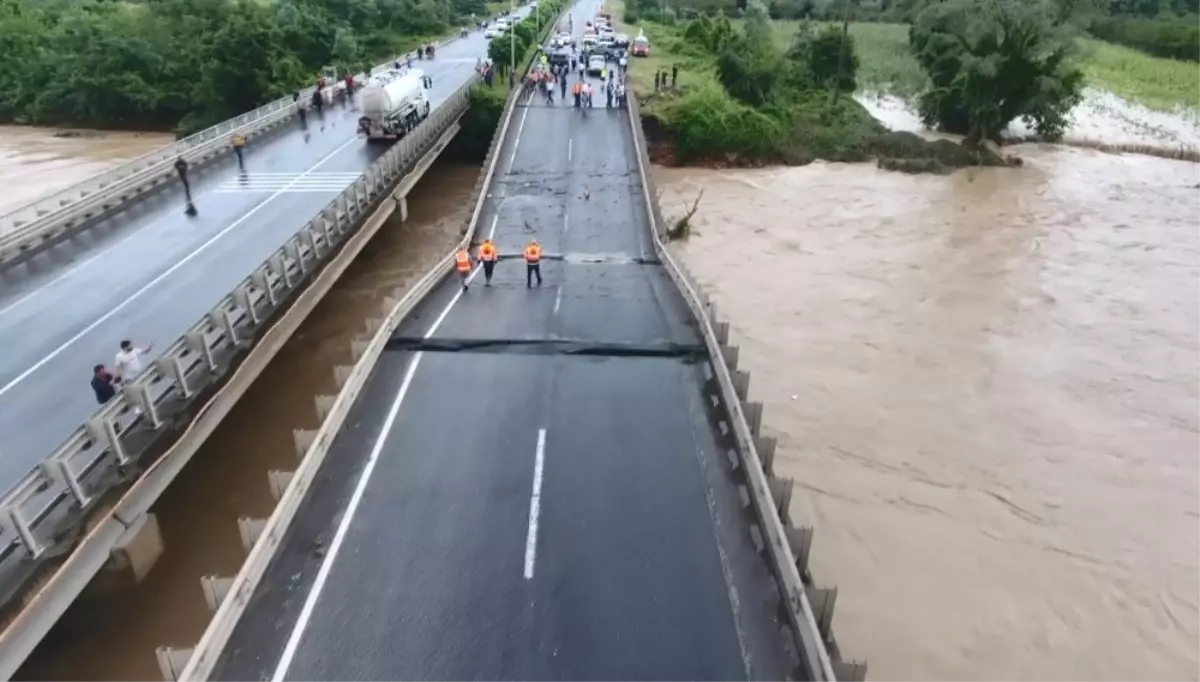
(132, 558)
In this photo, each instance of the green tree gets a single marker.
(992, 63)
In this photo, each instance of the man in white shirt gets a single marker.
(129, 360)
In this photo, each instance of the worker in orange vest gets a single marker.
(462, 263)
(488, 255)
(533, 263)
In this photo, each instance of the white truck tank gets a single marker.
(393, 103)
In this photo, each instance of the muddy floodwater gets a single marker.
(115, 638)
(985, 386)
(35, 162)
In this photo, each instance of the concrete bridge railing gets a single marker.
(51, 219)
(42, 517)
(809, 609)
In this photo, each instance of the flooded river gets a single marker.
(985, 386)
(115, 639)
(38, 161)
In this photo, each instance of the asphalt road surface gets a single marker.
(151, 272)
(530, 486)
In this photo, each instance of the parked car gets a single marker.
(641, 47)
(596, 64)
(621, 40)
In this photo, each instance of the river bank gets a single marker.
(985, 387)
(694, 121)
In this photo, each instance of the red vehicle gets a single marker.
(641, 47)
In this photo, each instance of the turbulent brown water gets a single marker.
(115, 638)
(985, 386)
(34, 162)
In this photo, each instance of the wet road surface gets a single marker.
(532, 514)
(228, 477)
(152, 271)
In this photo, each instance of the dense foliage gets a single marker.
(766, 104)
(991, 63)
(183, 64)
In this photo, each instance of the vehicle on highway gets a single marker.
(491, 32)
(641, 47)
(596, 64)
(559, 57)
(621, 40)
(393, 104)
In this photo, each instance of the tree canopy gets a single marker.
(185, 64)
(994, 62)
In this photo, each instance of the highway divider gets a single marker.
(231, 597)
(51, 219)
(46, 555)
(786, 546)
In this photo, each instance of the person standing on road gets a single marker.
(129, 360)
(238, 142)
(462, 263)
(181, 167)
(533, 263)
(488, 255)
(104, 384)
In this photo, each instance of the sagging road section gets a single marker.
(550, 505)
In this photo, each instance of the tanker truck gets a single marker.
(393, 104)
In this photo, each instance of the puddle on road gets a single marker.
(115, 638)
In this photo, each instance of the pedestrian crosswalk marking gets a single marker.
(288, 182)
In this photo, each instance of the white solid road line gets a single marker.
(517, 141)
(314, 594)
(558, 299)
(105, 251)
(535, 504)
(152, 283)
(570, 144)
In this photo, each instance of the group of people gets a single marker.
(489, 255)
(547, 78)
(105, 382)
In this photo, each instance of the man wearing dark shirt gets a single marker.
(103, 384)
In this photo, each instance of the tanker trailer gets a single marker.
(393, 104)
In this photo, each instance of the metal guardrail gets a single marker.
(787, 547)
(37, 514)
(47, 219)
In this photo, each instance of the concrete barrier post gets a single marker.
(215, 590)
(324, 404)
(823, 600)
(341, 373)
(241, 295)
(197, 344)
(249, 530)
(741, 384)
(171, 661)
(766, 453)
(102, 429)
(173, 367)
(303, 439)
(13, 522)
(800, 540)
(279, 481)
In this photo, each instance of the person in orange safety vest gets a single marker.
(462, 263)
(488, 255)
(533, 263)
